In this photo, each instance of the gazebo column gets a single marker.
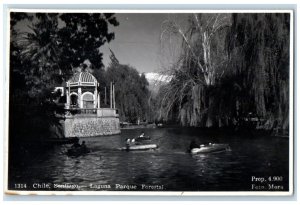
(95, 97)
(79, 98)
(110, 92)
(68, 98)
(67, 105)
(114, 96)
(98, 99)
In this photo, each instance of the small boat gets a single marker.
(77, 151)
(139, 147)
(160, 125)
(210, 148)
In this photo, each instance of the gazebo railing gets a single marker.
(80, 111)
(99, 112)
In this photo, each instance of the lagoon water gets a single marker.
(169, 168)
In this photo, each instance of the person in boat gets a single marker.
(83, 146)
(193, 145)
(76, 143)
(142, 135)
(128, 142)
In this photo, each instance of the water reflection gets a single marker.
(170, 165)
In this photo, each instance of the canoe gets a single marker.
(77, 151)
(210, 148)
(140, 147)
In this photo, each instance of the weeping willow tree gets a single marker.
(233, 68)
(131, 90)
(200, 64)
(259, 52)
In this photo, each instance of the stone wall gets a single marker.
(91, 126)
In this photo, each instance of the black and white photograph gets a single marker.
(150, 102)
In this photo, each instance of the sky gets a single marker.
(138, 41)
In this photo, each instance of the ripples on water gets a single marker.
(170, 165)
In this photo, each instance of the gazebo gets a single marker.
(84, 117)
(82, 91)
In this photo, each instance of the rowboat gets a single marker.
(139, 147)
(77, 151)
(210, 148)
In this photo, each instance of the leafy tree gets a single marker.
(131, 91)
(259, 49)
(83, 35)
(198, 68)
(40, 49)
(45, 54)
(198, 41)
(132, 94)
(245, 72)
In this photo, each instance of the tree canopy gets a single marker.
(233, 68)
(45, 50)
(131, 90)
(57, 43)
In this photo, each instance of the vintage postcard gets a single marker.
(106, 102)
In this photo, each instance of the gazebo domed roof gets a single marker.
(83, 78)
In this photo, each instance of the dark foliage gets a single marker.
(43, 56)
(131, 90)
(250, 64)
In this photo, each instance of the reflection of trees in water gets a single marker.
(173, 168)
